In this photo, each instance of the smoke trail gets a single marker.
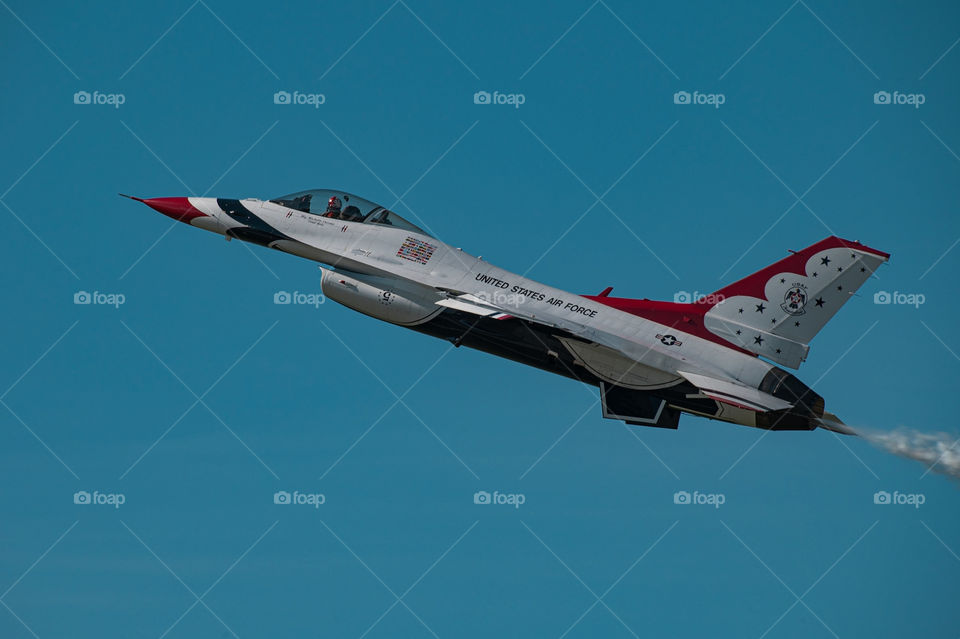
(939, 452)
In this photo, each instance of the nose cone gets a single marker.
(178, 208)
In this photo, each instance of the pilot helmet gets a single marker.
(333, 204)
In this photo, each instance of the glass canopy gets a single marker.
(344, 206)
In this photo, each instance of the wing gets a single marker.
(479, 306)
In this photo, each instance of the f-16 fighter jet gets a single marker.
(715, 356)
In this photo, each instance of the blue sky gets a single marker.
(198, 398)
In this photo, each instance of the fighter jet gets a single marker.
(714, 357)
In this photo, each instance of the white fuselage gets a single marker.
(373, 249)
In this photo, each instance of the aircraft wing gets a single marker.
(721, 390)
(478, 306)
(472, 304)
(484, 308)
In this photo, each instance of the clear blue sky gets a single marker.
(198, 398)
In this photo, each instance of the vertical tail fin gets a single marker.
(776, 311)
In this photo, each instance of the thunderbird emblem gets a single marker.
(795, 299)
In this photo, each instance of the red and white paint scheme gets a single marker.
(715, 357)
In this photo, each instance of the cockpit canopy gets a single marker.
(344, 206)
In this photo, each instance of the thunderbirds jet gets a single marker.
(651, 360)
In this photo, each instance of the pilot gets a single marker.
(333, 207)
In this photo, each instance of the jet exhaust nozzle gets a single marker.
(831, 422)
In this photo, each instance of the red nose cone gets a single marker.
(179, 208)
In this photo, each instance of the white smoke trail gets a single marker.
(939, 452)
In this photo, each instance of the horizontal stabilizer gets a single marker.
(736, 394)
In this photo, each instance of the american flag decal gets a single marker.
(416, 250)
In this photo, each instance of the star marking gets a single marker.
(758, 340)
(778, 351)
(782, 280)
(739, 331)
(825, 261)
(740, 311)
(773, 321)
(819, 301)
(796, 323)
(760, 308)
(839, 288)
(839, 268)
(814, 273)
(863, 269)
